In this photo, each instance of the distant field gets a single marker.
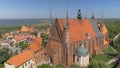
(40, 26)
(113, 26)
(18, 22)
(110, 20)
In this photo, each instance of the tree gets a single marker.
(23, 45)
(45, 66)
(44, 37)
(4, 55)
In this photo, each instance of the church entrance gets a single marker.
(50, 60)
(73, 58)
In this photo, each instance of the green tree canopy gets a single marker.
(23, 45)
(45, 66)
(44, 37)
(4, 55)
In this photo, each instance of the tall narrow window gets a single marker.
(77, 59)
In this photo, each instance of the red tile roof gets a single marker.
(22, 37)
(36, 44)
(20, 58)
(78, 29)
(27, 29)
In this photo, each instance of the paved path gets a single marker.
(112, 60)
(116, 37)
(114, 50)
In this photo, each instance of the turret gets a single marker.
(66, 30)
(67, 39)
(82, 56)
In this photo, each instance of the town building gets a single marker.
(27, 30)
(33, 56)
(22, 60)
(38, 49)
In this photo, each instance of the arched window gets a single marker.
(77, 59)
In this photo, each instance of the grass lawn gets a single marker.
(108, 50)
(74, 66)
(101, 57)
(60, 66)
(1, 65)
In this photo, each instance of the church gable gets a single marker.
(78, 29)
(56, 32)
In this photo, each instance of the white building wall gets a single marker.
(83, 60)
(28, 64)
(8, 65)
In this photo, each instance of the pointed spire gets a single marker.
(67, 22)
(93, 15)
(50, 22)
(102, 18)
(86, 15)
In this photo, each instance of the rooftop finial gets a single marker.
(67, 22)
(82, 44)
(79, 14)
(93, 15)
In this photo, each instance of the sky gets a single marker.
(20, 9)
